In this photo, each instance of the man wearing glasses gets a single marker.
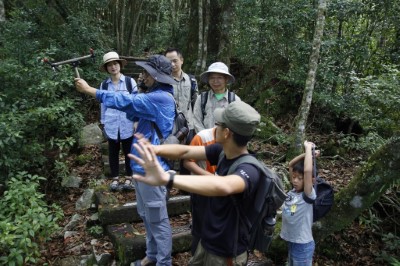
(235, 126)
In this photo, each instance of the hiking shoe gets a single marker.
(128, 185)
(144, 262)
(115, 186)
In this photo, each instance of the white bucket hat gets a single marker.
(217, 67)
(109, 57)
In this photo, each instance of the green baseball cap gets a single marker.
(238, 116)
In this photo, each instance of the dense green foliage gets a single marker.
(25, 220)
(41, 116)
(270, 42)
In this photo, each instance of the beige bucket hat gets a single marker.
(109, 57)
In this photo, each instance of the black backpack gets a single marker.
(104, 85)
(178, 135)
(179, 130)
(193, 94)
(204, 99)
(270, 196)
(324, 200)
(325, 195)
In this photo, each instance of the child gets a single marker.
(297, 215)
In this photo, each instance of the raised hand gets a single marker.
(82, 86)
(155, 174)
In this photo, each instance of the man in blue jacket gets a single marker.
(156, 106)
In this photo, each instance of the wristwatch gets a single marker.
(170, 183)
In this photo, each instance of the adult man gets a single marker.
(218, 78)
(184, 94)
(156, 106)
(219, 245)
(199, 203)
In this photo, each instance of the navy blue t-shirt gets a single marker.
(219, 225)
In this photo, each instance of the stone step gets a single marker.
(130, 245)
(111, 212)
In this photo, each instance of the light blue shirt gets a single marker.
(115, 121)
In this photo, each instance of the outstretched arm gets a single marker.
(195, 168)
(176, 151)
(208, 185)
(82, 86)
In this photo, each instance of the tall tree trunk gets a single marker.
(135, 10)
(173, 18)
(204, 19)
(228, 13)
(2, 11)
(302, 115)
(263, 29)
(222, 13)
(200, 44)
(205, 36)
(121, 25)
(338, 61)
(372, 181)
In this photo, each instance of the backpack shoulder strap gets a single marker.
(245, 159)
(248, 158)
(104, 85)
(193, 87)
(240, 213)
(204, 99)
(128, 84)
(158, 131)
(231, 96)
(193, 83)
(307, 199)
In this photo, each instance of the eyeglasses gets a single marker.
(220, 124)
(145, 75)
(218, 79)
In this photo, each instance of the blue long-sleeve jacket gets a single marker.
(155, 106)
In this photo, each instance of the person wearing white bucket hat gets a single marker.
(117, 128)
(218, 78)
(155, 106)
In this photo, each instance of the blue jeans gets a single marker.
(301, 254)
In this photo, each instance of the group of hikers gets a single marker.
(219, 122)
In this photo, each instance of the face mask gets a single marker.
(142, 86)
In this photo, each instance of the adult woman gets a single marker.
(117, 128)
(154, 107)
(218, 78)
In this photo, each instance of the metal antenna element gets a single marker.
(74, 62)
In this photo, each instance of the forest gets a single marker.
(322, 70)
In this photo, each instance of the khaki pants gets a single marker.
(204, 258)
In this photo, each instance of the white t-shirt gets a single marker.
(297, 218)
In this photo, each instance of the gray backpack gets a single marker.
(270, 196)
